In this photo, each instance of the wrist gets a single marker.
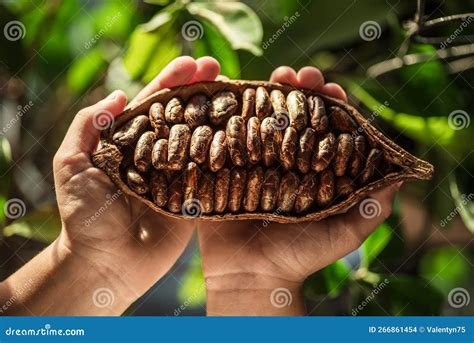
(253, 294)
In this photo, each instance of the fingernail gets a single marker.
(112, 96)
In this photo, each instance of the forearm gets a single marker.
(253, 295)
(58, 282)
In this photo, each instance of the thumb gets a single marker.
(84, 132)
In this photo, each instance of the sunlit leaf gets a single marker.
(141, 49)
(85, 70)
(237, 22)
(157, 2)
(42, 225)
(192, 291)
(374, 244)
(464, 203)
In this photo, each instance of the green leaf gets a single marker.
(237, 22)
(157, 2)
(85, 70)
(214, 44)
(158, 20)
(330, 281)
(118, 78)
(141, 49)
(42, 225)
(192, 291)
(464, 203)
(5, 174)
(446, 268)
(374, 244)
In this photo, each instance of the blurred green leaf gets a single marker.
(161, 18)
(464, 203)
(118, 78)
(330, 281)
(157, 2)
(214, 44)
(141, 49)
(237, 22)
(42, 225)
(192, 291)
(446, 268)
(374, 244)
(85, 70)
(5, 174)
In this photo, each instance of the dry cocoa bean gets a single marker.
(221, 190)
(325, 193)
(223, 106)
(306, 192)
(317, 112)
(129, 133)
(305, 150)
(289, 147)
(159, 154)
(253, 189)
(341, 120)
(248, 104)
(218, 151)
(345, 145)
(142, 156)
(158, 121)
(175, 193)
(278, 102)
(373, 160)
(270, 189)
(136, 181)
(200, 142)
(344, 186)
(254, 145)
(288, 192)
(174, 111)
(271, 140)
(236, 140)
(190, 181)
(358, 157)
(196, 111)
(297, 112)
(263, 106)
(178, 145)
(206, 192)
(159, 188)
(237, 188)
(325, 152)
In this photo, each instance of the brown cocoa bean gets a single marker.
(254, 145)
(218, 151)
(270, 189)
(248, 104)
(325, 194)
(237, 188)
(289, 147)
(131, 131)
(297, 112)
(345, 145)
(159, 188)
(174, 111)
(223, 106)
(341, 120)
(288, 192)
(142, 156)
(317, 112)
(373, 160)
(306, 149)
(196, 111)
(175, 194)
(358, 157)
(307, 192)
(178, 145)
(253, 189)
(236, 140)
(206, 192)
(344, 186)
(325, 152)
(136, 181)
(158, 121)
(159, 154)
(271, 140)
(200, 142)
(190, 181)
(221, 190)
(263, 106)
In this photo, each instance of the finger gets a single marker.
(83, 134)
(310, 78)
(178, 72)
(208, 68)
(334, 90)
(222, 78)
(284, 74)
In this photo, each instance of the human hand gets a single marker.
(130, 245)
(245, 261)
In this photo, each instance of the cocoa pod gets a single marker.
(218, 151)
(142, 157)
(174, 111)
(159, 154)
(236, 140)
(254, 145)
(224, 105)
(158, 121)
(237, 188)
(249, 150)
(129, 133)
(200, 142)
(178, 145)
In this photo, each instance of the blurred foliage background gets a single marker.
(412, 75)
